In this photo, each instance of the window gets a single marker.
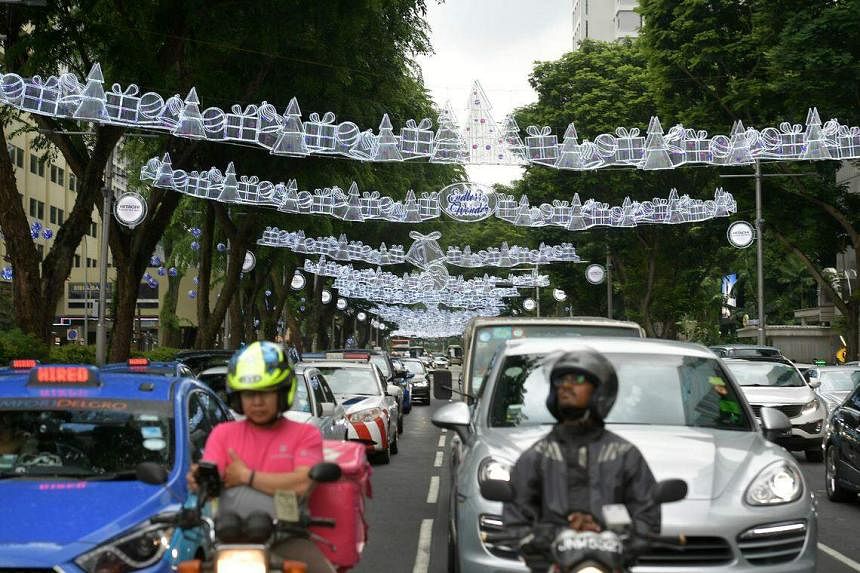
(854, 402)
(58, 175)
(54, 212)
(204, 414)
(93, 227)
(37, 209)
(92, 263)
(16, 155)
(77, 261)
(40, 248)
(73, 182)
(61, 216)
(37, 166)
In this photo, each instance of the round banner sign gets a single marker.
(467, 202)
(341, 303)
(529, 304)
(249, 263)
(298, 282)
(130, 209)
(595, 274)
(559, 295)
(325, 296)
(740, 234)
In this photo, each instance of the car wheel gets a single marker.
(384, 456)
(400, 424)
(453, 554)
(394, 447)
(814, 455)
(835, 492)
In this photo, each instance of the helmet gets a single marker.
(599, 372)
(260, 367)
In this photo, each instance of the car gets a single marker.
(842, 450)
(420, 380)
(483, 336)
(778, 385)
(315, 403)
(370, 407)
(173, 368)
(199, 360)
(72, 483)
(680, 406)
(403, 380)
(746, 351)
(833, 383)
(440, 361)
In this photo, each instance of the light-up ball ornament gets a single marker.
(47, 234)
(192, 294)
(298, 281)
(361, 316)
(34, 234)
(195, 246)
(221, 247)
(155, 261)
(7, 273)
(268, 292)
(197, 280)
(162, 271)
(325, 296)
(196, 232)
(172, 271)
(302, 308)
(36, 226)
(341, 304)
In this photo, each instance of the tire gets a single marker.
(453, 554)
(395, 446)
(814, 456)
(400, 424)
(383, 457)
(835, 492)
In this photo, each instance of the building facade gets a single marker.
(604, 20)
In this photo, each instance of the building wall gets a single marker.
(604, 20)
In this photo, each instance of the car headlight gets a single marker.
(809, 407)
(776, 484)
(143, 547)
(420, 383)
(368, 415)
(491, 468)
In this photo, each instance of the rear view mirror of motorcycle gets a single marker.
(670, 490)
(616, 517)
(497, 490)
(325, 472)
(208, 479)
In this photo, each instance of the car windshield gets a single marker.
(652, 389)
(217, 381)
(414, 367)
(382, 363)
(83, 438)
(765, 374)
(351, 381)
(301, 401)
(839, 380)
(489, 339)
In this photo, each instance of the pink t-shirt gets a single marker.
(279, 449)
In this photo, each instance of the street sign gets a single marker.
(130, 209)
(595, 274)
(740, 234)
(72, 334)
(249, 263)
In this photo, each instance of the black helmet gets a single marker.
(597, 369)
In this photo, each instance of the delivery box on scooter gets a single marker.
(343, 501)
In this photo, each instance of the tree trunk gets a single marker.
(170, 334)
(125, 293)
(237, 322)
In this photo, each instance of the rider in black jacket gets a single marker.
(566, 478)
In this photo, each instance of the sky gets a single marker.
(495, 42)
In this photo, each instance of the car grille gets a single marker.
(773, 543)
(697, 551)
(790, 410)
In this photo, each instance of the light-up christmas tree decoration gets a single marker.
(190, 120)
(386, 148)
(816, 143)
(291, 140)
(449, 146)
(656, 148)
(513, 144)
(481, 134)
(92, 104)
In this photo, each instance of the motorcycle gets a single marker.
(245, 542)
(613, 550)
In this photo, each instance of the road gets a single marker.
(408, 512)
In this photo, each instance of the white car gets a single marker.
(440, 361)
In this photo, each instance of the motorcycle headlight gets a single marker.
(368, 415)
(809, 407)
(420, 383)
(776, 484)
(143, 547)
(241, 561)
(491, 468)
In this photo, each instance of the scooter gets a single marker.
(613, 550)
(245, 543)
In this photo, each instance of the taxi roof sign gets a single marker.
(23, 363)
(137, 362)
(64, 375)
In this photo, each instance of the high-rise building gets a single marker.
(604, 20)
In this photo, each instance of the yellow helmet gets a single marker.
(261, 367)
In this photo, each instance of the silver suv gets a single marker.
(748, 507)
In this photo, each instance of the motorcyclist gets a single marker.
(566, 478)
(265, 452)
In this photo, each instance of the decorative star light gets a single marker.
(480, 140)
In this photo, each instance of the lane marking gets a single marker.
(422, 556)
(437, 463)
(442, 441)
(839, 557)
(433, 492)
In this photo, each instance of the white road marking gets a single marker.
(425, 537)
(442, 441)
(433, 492)
(437, 463)
(839, 557)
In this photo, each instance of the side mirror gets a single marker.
(774, 423)
(325, 472)
(151, 473)
(814, 382)
(442, 384)
(410, 375)
(670, 490)
(328, 408)
(391, 390)
(497, 490)
(454, 416)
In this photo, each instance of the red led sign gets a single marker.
(138, 362)
(23, 363)
(64, 375)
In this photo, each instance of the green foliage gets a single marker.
(17, 344)
(160, 354)
(73, 354)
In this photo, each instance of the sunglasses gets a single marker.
(573, 379)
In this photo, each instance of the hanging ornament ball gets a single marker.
(241, 276)
(474, 146)
(268, 292)
(196, 232)
(147, 277)
(197, 280)
(162, 271)
(488, 147)
(256, 322)
(302, 299)
(302, 308)
(172, 271)
(348, 133)
(195, 246)
(221, 247)
(155, 261)
(37, 226)
(192, 294)
(34, 234)
(8, 273)
(47, 234)
(483, 120)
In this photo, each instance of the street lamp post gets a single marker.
(101, 328)
(608, 282)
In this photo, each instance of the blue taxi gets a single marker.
(71, 441)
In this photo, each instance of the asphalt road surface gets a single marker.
(408, 512)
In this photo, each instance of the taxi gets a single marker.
(73, 441)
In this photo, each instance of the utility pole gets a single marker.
(608, 282)
(537, 293)
(101, 328)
